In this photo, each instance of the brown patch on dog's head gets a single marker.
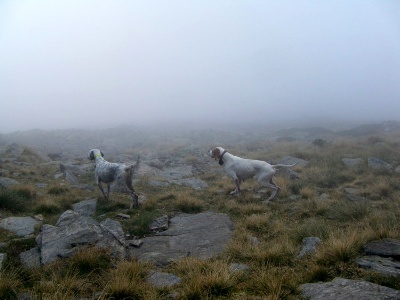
(215, 153)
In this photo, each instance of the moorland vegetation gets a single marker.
(267, 236)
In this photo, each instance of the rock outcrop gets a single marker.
(341, 288)
(200, 235)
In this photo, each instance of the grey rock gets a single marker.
(194, 183)
(385, 247)
(158, 183)
(41, 185)
(346, 289)
(123, 216)
(397, 170)
(324, 196)
(309, 246)
(71, 173)
(294, 197)
(378, 164)
(382, 265)
(21, 226)
(6, 182)
(160, 224)
(30, 258)
(160, 279)
(178, 172)
(354, 194)
(85, 207)
(134, 243)
(235, 267)
(353, 162)
(200, 235)
(73, 231)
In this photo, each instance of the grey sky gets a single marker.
(73, 64)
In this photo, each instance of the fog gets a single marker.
(80, 64)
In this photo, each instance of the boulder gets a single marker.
(30, 258)
(85, 207)
(378, 164)
(73, 231)
(353, 162)
(385, 247)
(6, 182)
(309, 246)
(21, 226)
(340, 288)
(200, 235)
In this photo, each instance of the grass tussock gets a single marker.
(206, 279)
(17, 199)
(128, 281)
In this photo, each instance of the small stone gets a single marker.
(123, 216)
(134, 243)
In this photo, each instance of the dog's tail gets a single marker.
(130, 170)
(277, 166)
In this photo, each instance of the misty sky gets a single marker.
(80, 63)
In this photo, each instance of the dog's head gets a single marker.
(216, 153)
(94, 153)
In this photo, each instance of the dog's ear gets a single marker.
(215, 153)
(102, 155)
(90, 155)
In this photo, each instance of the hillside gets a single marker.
(339, 202)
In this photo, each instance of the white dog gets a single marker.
(109, 173)
(240, 169)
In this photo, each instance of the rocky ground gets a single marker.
(172, 160)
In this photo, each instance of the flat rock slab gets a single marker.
(200, 235)
(384, 247)
(382, 265)
(346, 289)
(21, 226)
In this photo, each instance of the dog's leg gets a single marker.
(108, 189)
(237, 191)
(269, 183)
(101, 189)
(128, 184)
(135, 197)
(135, 200)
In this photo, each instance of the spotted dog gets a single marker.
(109, 173)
